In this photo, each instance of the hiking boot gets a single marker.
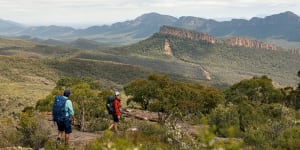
(57, 141)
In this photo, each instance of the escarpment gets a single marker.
(251, 43)
(187, 34)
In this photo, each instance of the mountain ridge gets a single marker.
(284, 26)
(199, 36)
(187, 34)
(10, 26)
(224, 61)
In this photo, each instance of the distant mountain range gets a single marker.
(285, 26)
(9, 27)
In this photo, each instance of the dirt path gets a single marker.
(79, 139)
(76, 136)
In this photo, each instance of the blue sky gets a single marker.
(98, 12)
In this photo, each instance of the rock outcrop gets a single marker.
(207, 75)
(251, 43)
(187, 34)
(295, 51)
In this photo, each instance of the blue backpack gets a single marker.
(58, 110)
(109, 104)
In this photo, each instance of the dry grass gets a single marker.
(7, 42)
(17, 95)
(23, 82)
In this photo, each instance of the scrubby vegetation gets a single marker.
(253, 109)
(174, 99)
(251, 113)
(226, 64)
(117, 72)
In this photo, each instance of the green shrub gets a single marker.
(172, 98)
(289, 138)
(98, 124)
(156, 130)
(224, 118)
(33, 131)
(256, 138)
(9, 136)
(256, 90)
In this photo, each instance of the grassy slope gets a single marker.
(22, 82)
(231, 64)
(227, 64)
(171, 66)
(117, 72)
(29, 72)
(150, 54)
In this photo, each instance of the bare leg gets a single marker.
(59, 134)
(116, 127)
(110, 127)
(67, 137)
(58, 139)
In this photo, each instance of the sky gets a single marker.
(83, 13)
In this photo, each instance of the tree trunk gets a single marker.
(82, 120)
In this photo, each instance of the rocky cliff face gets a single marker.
(187, 34)
(251, 43)
(234, 41)
(295, 51)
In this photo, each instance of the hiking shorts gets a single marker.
(115, 117)
(65, 125)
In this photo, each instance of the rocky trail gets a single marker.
(82, 138)
(79, 139)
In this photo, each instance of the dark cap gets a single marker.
(67, 93)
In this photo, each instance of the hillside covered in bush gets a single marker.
(251, 100)
(252, 113)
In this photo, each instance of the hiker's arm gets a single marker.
(70, 107)
(70, 110)
(73, 119)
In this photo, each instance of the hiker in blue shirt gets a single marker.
(66, 124)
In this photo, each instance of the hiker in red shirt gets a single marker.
(117, 114)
